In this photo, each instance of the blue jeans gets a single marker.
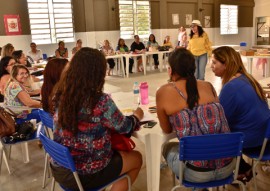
(171, 155)
(200, 63)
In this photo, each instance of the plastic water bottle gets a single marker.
(144, 93)
(136, 93)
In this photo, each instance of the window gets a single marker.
(51, 21)
(134, 18)
(228, 19)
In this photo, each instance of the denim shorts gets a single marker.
(171, 155)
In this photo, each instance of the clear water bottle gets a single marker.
(144, 93)
(136, 93)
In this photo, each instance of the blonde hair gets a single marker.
(233, 62)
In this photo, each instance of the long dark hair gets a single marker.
(182, 63)
(3, 65)
(200, 32)
(154, 41)
(52, 73)
(80, 86)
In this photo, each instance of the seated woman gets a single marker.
(243, 100)
(20, 58)
(6, 65)
(7, 50)
(16, 93)
(52, 74)
(152, 45)
(108, 50)
(167, 42)
(122, 48)
(77, 47)
(191, 108)
(85, 118)
(61, 51)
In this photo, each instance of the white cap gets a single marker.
(196, 22)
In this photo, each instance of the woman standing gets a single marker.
(243, 100)
(191, 108)
(85, 118)
(200, 46)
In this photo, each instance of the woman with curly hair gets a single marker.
(85, 118)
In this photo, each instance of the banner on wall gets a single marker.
(12, 25)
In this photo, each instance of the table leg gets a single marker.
(249, 65)
(267, 68)
(153, 147)
(127, 65)
(161, 61)
(144, 63)
(122, 66)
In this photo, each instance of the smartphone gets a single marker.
(150, 124)
(152, 109)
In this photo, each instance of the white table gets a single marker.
(160, 58)
(127, 56)
(118, 56)
(250, 61)
(153, 139)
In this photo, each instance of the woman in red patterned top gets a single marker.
(84, 120)
(191, 108)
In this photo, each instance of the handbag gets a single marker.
(122, 143)
(7, 123)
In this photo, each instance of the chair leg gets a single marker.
(3, 153)
(173, 178)
(254, 174)
(53, 184)
(26, 156)
(6, 161)
(45, 170)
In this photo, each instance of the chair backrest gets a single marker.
(61, 155)
(46, 118)
(58, 152)
(210, 147)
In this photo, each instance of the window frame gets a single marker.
(51, 21)
(134, 8)
(230, 18)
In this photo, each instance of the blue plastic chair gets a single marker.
(261, 156)
(210, 147)
(47, 124)
(62, 156)
(5, 148)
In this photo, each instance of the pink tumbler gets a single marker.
(144, 93)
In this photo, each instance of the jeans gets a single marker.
(200, 63)
(171, 155)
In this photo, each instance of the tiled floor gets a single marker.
(28, 177)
